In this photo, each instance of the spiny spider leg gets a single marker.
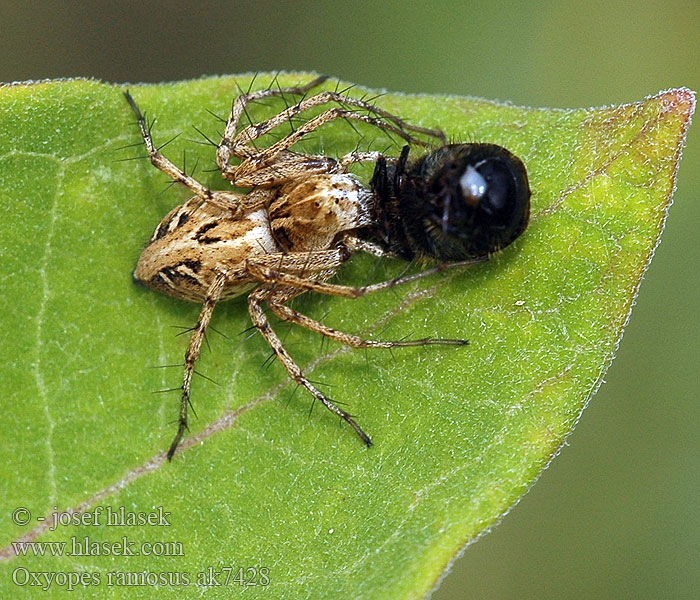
(257, 314)
(224, 199)
(356, 157)
(223, 153)
(275, 297)
(304, 265)
(265, 273)
(198, 333)
(290, 315)
(260, 166)
(276, 163)
(238, 143)
(256, 167)
(355, 244)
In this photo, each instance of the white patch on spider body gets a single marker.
(258, 239)
(350, 200)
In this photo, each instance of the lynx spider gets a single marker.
(288, 235)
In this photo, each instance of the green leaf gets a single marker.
(460, 434)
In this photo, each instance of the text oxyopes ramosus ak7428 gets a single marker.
(305, 215)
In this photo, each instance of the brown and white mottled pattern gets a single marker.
(322, 204)
(198, 239)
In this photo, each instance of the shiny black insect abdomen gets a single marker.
(458, 202)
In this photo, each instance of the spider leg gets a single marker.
(192, 353)
(269, 274)
(223, 199)
(266, 166)
(308, 266)
(226, 147)
(257, 314)
(284, 312)
(307, 271)
(354, 244)
(355, 157)
(382, 119)
(282, 166)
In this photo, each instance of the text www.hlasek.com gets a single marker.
(87, 547)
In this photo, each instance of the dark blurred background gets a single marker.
(617, 515)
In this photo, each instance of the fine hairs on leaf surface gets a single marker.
(459, 433)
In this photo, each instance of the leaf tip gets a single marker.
(680, 101)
